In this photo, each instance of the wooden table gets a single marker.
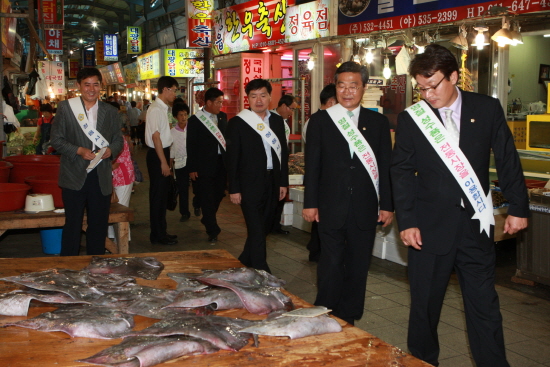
(119, 215)
(25, 347)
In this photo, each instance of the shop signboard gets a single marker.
(72, 85)
(54, 72)
(183, 63)
(8, 31)
(307, 21)
(74, 67)
(251, 25)
(134, 44)
(252, 67)
(365, 16)
(54, 41)
(199, 23)
(99, 52)
(149, 65)
(50, 14)
(131, 74)
(89, 59)
(110, 47)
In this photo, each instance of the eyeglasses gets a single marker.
(426, 90)
(352, 89)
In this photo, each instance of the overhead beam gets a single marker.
(91, 14)
(95, 5)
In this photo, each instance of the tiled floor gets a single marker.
(526, 317)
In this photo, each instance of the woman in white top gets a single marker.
(178, 157)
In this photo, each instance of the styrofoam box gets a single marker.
(388, 245)
(297, 193)
(287, 209)
(287, 219)
(295, 179)
(299, 222)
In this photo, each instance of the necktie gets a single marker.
(350, 114)
(450, 125)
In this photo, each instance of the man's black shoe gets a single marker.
(184, 218)
(212, 238)
(281, 231)
(171, 236)
(314, 257)
(165, 241)
(197, 212)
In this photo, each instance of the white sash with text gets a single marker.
(255, 122)
(212, 127)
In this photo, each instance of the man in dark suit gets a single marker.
(205, 158)
(341, 191)
(81, 189)
(434, 210)
(257, 163)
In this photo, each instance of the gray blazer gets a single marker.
(67, 136)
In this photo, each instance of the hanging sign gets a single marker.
(99, 52)
(251, 25)
(54, 72)
(149, 65)
(385, 15)
(131, 74)
(199, 23)
(89, 58)
(54, 41)
(183, 63)
(252, 67)
(74, 67)
(50, 14)
(110, 47)
(307, 21)
(8, 31)
(133, 36)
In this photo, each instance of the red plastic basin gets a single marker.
(46, 185)
(12, 196)
(5, 168)
(33, 165)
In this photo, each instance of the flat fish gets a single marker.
(82, 321)
(16, 303)
(146, 351)
(142, 267)
(295, 327)
(245, 276)
(218, 330)
(219, 298)
(258, 300)
(187, 282)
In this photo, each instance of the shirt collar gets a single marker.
(455, 107)
(161, 103)
(177, 127)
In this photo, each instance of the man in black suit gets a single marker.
(347, 159)
(257, 163)
(205, 158)
(438, 214)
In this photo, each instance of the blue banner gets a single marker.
(110, 47)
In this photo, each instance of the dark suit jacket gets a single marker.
(247, 160)
(334, 180)
(425, 193)
(67, 136)
(202, 146)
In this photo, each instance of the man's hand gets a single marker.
(235, 198)
(85, 153)
(311, 214)
(107, 153)
(165, 169)
(193, 175)
(115, 165)
(282, 192)
(385, 217)
(514, 224)
(411, 237)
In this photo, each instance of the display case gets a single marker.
(538, 133)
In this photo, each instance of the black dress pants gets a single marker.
(158, 191)
(258, 215)
(182, 179)
(429, 274)
(211, 190)
(97, 207)
(343, 267)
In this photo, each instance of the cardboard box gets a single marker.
(295, 179)
(297, 193)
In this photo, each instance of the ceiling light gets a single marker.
(504, 36)
(387, 71)
(460, 40)
(311, 61)
(480, 40)
(94, 24)
(369, 56)
(517, 39)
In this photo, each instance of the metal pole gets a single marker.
(303, 110)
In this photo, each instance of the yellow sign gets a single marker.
(183, 63)
(134, 45)
(149, 65)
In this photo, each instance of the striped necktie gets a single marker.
(350, 114)
(450, 125)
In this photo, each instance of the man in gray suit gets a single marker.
(82, 126)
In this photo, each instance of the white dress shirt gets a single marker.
(157, 120)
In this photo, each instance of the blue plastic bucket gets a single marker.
(51, 240)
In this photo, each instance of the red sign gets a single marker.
(252, 67)
(199, 23)
(50, 14)
(74, 67)
(438, 16)
(54, 41)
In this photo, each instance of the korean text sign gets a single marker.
(54, 41)
(50, 14)
(149, 65)
(307, 21)
(134, 43)
(199, 23)
(54, 73)
(183, 63)
(110, 47)
(251, 68)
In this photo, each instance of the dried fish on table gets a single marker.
(82, 321)
(16, 303)
(244, 276)
(143, 267)
(222, 332)
(146, 351)
(187, 282)
(295, 327)
(218, 298)
(258, 300)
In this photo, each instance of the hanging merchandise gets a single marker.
(465, 79)
(402, 61)
(8, 95)
(33, 79)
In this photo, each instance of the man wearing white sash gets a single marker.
(83, 125)
(440, 178)
(257, 167)
(206, 148)
(285, 108)
(347, 191)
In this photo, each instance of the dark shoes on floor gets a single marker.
(280, 231)
(197, 212)
(314, 257)
(165, 241)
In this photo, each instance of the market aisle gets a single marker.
(526, 317)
